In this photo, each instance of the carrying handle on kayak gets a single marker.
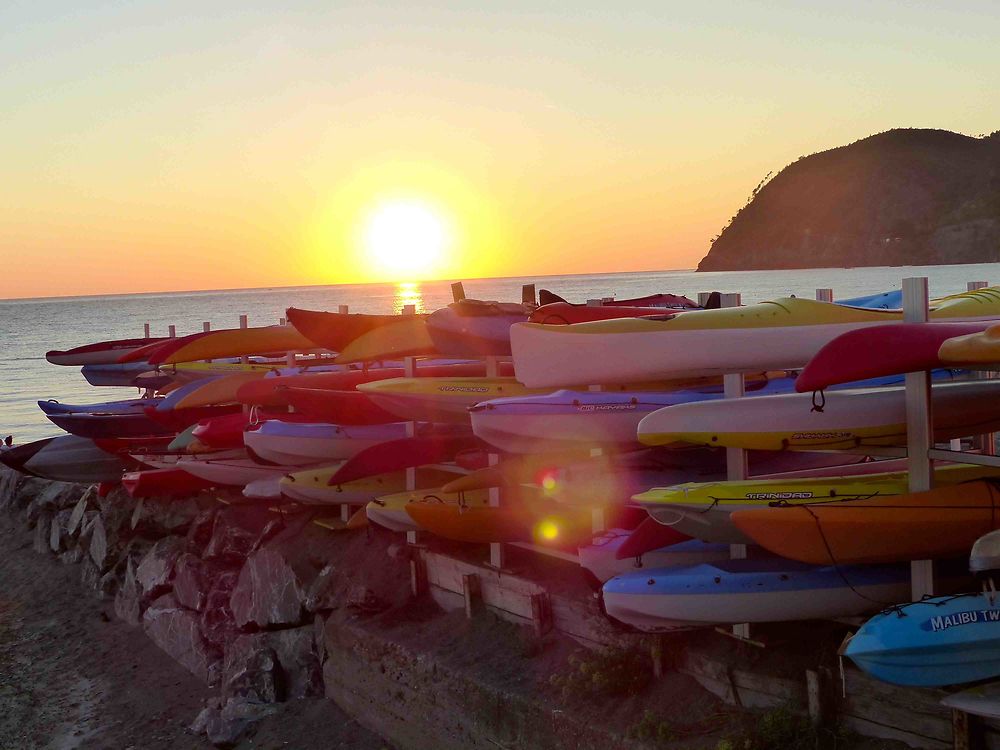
(820, 402)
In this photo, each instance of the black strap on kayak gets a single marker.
(819, 400)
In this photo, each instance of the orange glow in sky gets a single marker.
(154, 147)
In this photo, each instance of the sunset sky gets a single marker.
(169, 146)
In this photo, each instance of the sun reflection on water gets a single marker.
(408, 293)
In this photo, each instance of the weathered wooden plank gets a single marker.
(882, 731)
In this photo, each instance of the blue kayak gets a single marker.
(735, 591)
(126, 406)
(947, 640)
(885, 301)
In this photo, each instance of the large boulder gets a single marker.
(218, 625)
(25, 490)
(155, 571)
(237, 531)
(176, 630)
(128, 597)
(78, 514)
(286, 576)
(60, 537)
(199, 533)
(156, 517)
(225, 724)
(43, 527)
(194, 578)
(299, 672)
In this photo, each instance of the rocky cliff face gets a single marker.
(903, 197)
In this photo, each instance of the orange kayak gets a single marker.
(944, 522)
(518, 522)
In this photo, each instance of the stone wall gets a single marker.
(237, 595)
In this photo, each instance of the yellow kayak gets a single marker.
(312, 486)
(408, 337)
(218, 390)
(390, 510)
(701, 509)
(232, 342)
(974, 348)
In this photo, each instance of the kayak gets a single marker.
(532, 522)
(266, 488)
(650, 534)
(945, 640)
(702, 509)
(314, 486)
(389, 511)
(270, 390)
(229, 342)
(215, 391)
(737, 591)
(439, 399)
(777, 335)
(881, 350)
(122, 424)
(123, 375)
(473, 328)
(938, 524)
(449, 399)
(126, 406)
(162, 483)
(100, 353)
(600, 558)
(405, 453)
(565, 313)
(407, 336)
(334, 331)
(67, 458)
(338, 407)
(981, 348)
(302, 444)
(838, 420)
(566, 419)
(233, 471)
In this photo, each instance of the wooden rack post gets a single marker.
(244, 323)
(145, 330)
(172, 331)
(919, 426)
(734, 386)
(985, 444)
(824, 295)
(458, 291)
(497, 553)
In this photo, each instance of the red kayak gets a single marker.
(100, 353)
(180, 419)
(163, 483)
(564, 313)
(881, 350)
(650, 534)
(334, 331)
(338, 407)
(396, 455)
(273, 391)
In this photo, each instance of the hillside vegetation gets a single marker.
(903, 197)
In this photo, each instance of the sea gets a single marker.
(30, 327)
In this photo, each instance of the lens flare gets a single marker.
(547, 530)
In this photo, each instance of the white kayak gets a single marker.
(782, 334)
(304, 444)
(233, 472)
(837, 420)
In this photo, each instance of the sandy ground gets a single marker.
(71, 676)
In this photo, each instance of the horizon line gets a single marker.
(318, 286)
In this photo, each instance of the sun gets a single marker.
(406, 237)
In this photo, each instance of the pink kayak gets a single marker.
(882, 350)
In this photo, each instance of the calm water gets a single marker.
(28, 328)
